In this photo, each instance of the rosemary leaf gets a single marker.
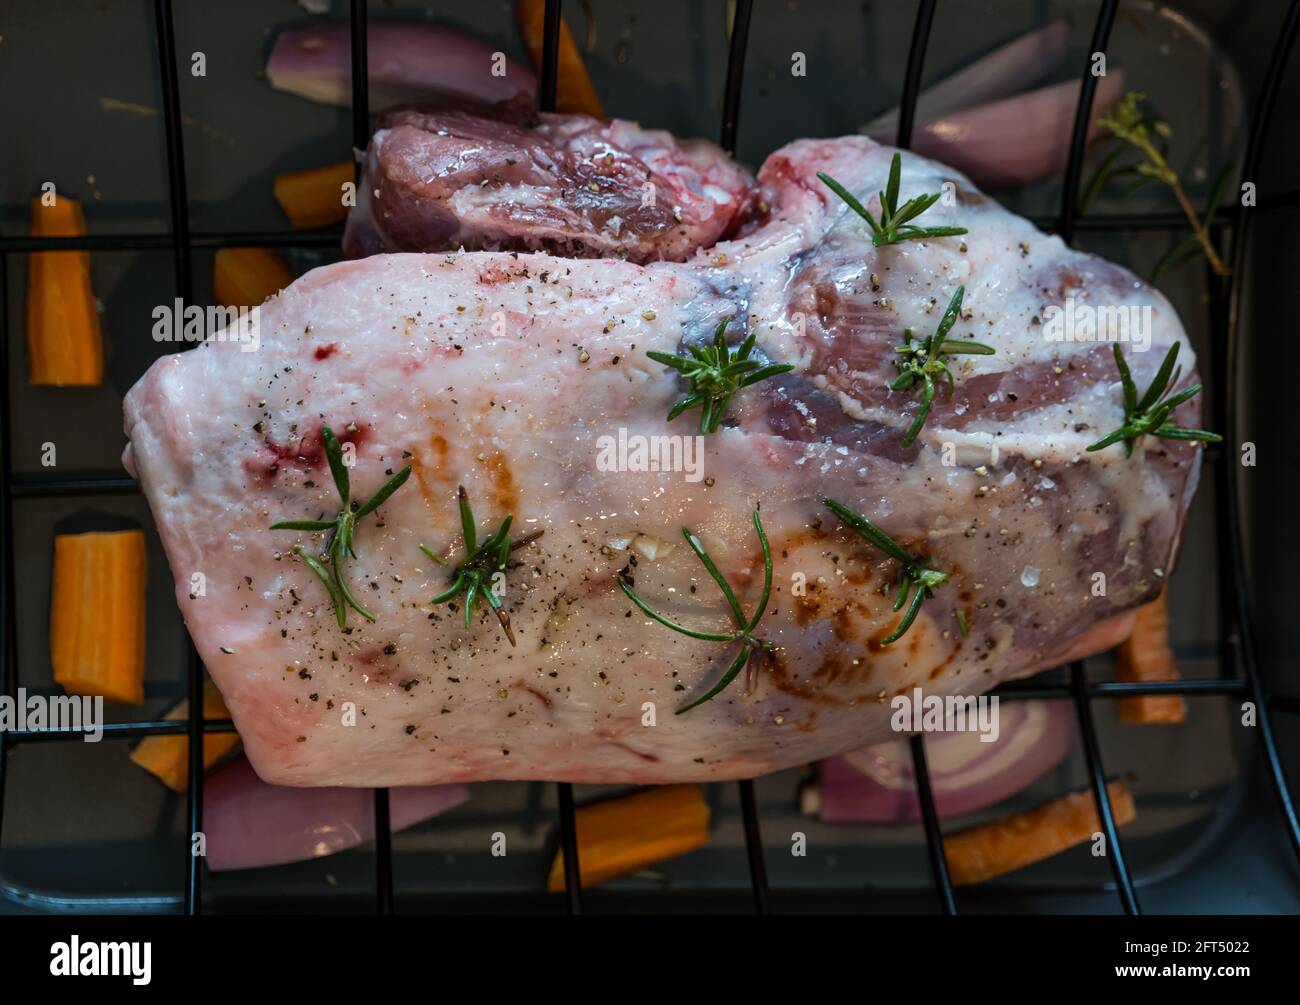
(893, 226)
(916, 578)
(714, 373)
(484, 561)
(922, 362)
(342, 530)
(1146, 416)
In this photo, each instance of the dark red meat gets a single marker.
(570, 185)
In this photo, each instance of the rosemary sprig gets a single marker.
(1112, 168)
(916, 577)
(893, 226)
(1128, 123)
(342, 530)
(751, 647)
(715, 373)
(482, 562)
(1149, 415)
(925, 361)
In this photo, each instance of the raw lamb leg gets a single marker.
(503, 372)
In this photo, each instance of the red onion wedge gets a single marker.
(1016, 141)
(876, 784)
(250, 824)
(1010, 69)
(983, 122)
(410, 63)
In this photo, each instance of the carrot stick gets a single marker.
(1014, 842)
(574, 91)
(97, 621)
(1146, 656)
(313, 198)
(244, 277)
(634, 832)
(168, 756)
(64, 344)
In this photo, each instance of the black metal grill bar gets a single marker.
(933, 832)
(920, 770)
(163, 242)
(735, 79)
(1189, 687)
(194, 780)
(383, 853)
(1230, 507)
(753, 845)
(178, 197)
(209, 240)
(1101, 796)
(548, 84)
(181, 243)
(912, 76)
(122, 730)
(1079, 137)
(1109, 689)
(27, 487)
(180, 226)
(1069, 213)
(360, 59)
(360, 53)
(569, 848)
(45, 488)
(8, 617)
(733, 86)
(1225, 613)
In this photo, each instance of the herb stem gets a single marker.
(1202, 235)
(1128, 123)
(1148, 416)
(751, 647)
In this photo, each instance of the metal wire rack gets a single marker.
(1239, 672)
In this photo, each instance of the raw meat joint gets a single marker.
(502, 370)
(567, 184)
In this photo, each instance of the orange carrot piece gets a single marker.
(64, 344)
(1147, 656)
(634, 832)
(244, 277)
(574, 91)
(314, 198)
(97, 636)
(168, 756)
(1022, 839)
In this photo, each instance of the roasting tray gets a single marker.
(84, 829)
